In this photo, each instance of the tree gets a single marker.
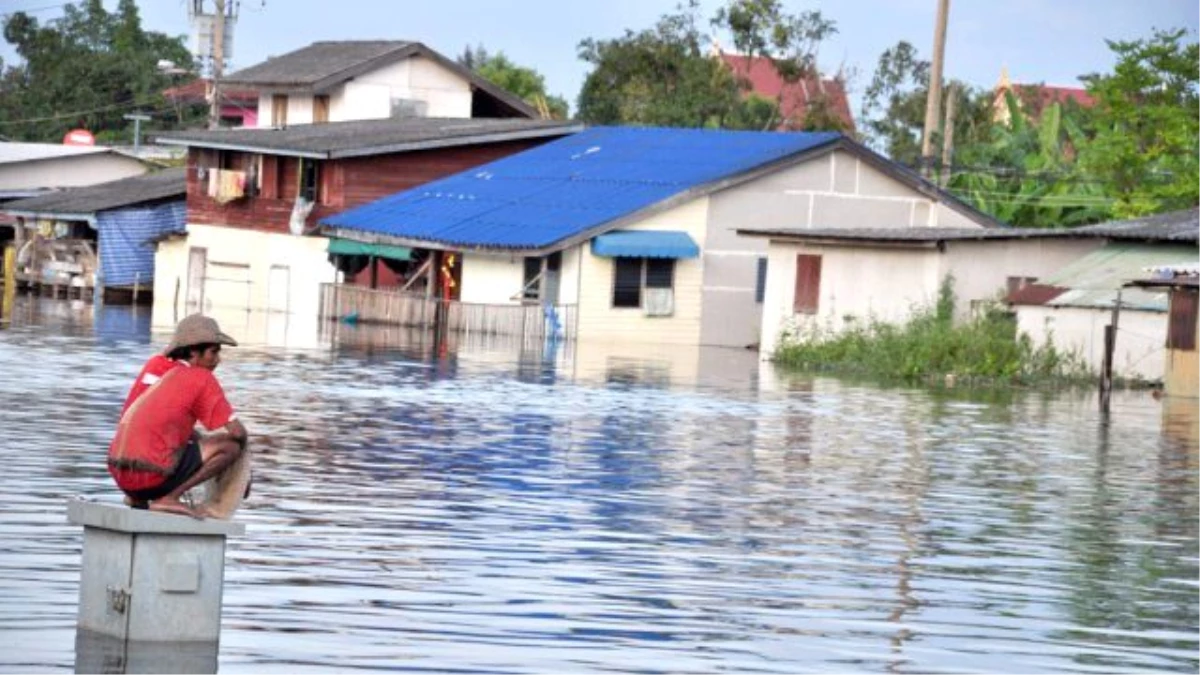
(1145, 125)
(789, 42)
(893, 112)
(526, 83)
(658, 76)
(85, 69)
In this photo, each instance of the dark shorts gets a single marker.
(190, 462)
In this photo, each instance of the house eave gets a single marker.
(455, 141)
(239, 147)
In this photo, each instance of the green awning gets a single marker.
(351, 247)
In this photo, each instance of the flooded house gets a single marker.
(98, 239)
(31, 169)
(629, 234)
(1181, 368)
(823, 280)
(254, 197)
(1072, 304)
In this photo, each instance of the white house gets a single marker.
(1072, 304)
(631, 233)
(824, 280)
(370, 79)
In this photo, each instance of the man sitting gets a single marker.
(157, 455)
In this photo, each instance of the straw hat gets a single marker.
(198, 329)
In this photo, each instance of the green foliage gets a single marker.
(1024, 173)
(658, 76)
(85, 69)
(1144, 143)
(526, 83)
(668, 76)
(931, 346)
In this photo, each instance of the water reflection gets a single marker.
(96, 653)
(468, 504)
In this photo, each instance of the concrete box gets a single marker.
(148, 576)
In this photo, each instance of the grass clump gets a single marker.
(931, 346)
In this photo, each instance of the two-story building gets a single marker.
(254, 197)
(376, 79)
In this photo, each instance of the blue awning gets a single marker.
(645, 244)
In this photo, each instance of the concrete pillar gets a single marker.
(150, 577)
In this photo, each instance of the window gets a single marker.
(309, 179)
(631, 275)
(808, 284)
(320, 108)
(279, 106)
(627, 282)
(1181, 322)
(531, 284)
(760, 284)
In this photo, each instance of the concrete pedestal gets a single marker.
(150, 577)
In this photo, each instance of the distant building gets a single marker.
(365, 80)
(239, 105)
(1032, 99)
(797, 100)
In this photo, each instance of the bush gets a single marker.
(931, 346)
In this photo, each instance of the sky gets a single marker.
(1051, 41)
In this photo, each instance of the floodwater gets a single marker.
(513, 508)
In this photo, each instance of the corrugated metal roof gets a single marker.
(30, 152)
(1094, 279)
(368, 137)
(909, 235)
(572, 186)
(645, 244)
(152, 187)
(1173, 226)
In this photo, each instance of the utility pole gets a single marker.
(137, 129)
(218, 57)
(933, 102)
(948, 135)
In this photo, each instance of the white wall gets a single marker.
(981, 268)
(491, 279)
(305, 258)
(446, 92)
(598, 319)
(1140, 336)
(888, 283)
(856, 284)
(68, 171)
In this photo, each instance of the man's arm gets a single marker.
(237, 431)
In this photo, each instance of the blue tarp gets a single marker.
(645, 244)
(126, 252)
(572, 186)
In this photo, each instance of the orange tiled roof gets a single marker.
(796, 96)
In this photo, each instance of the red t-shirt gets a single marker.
(153, 430)
(152, 372)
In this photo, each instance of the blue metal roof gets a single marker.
(537, 198)
(645, 244)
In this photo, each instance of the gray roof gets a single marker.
(32, 152)
(323, 65)
(913, 235)
(370, 137)
(1173, 226)
(86, 201)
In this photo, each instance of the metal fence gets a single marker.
(342, 302)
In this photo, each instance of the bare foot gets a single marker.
(165, 505)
